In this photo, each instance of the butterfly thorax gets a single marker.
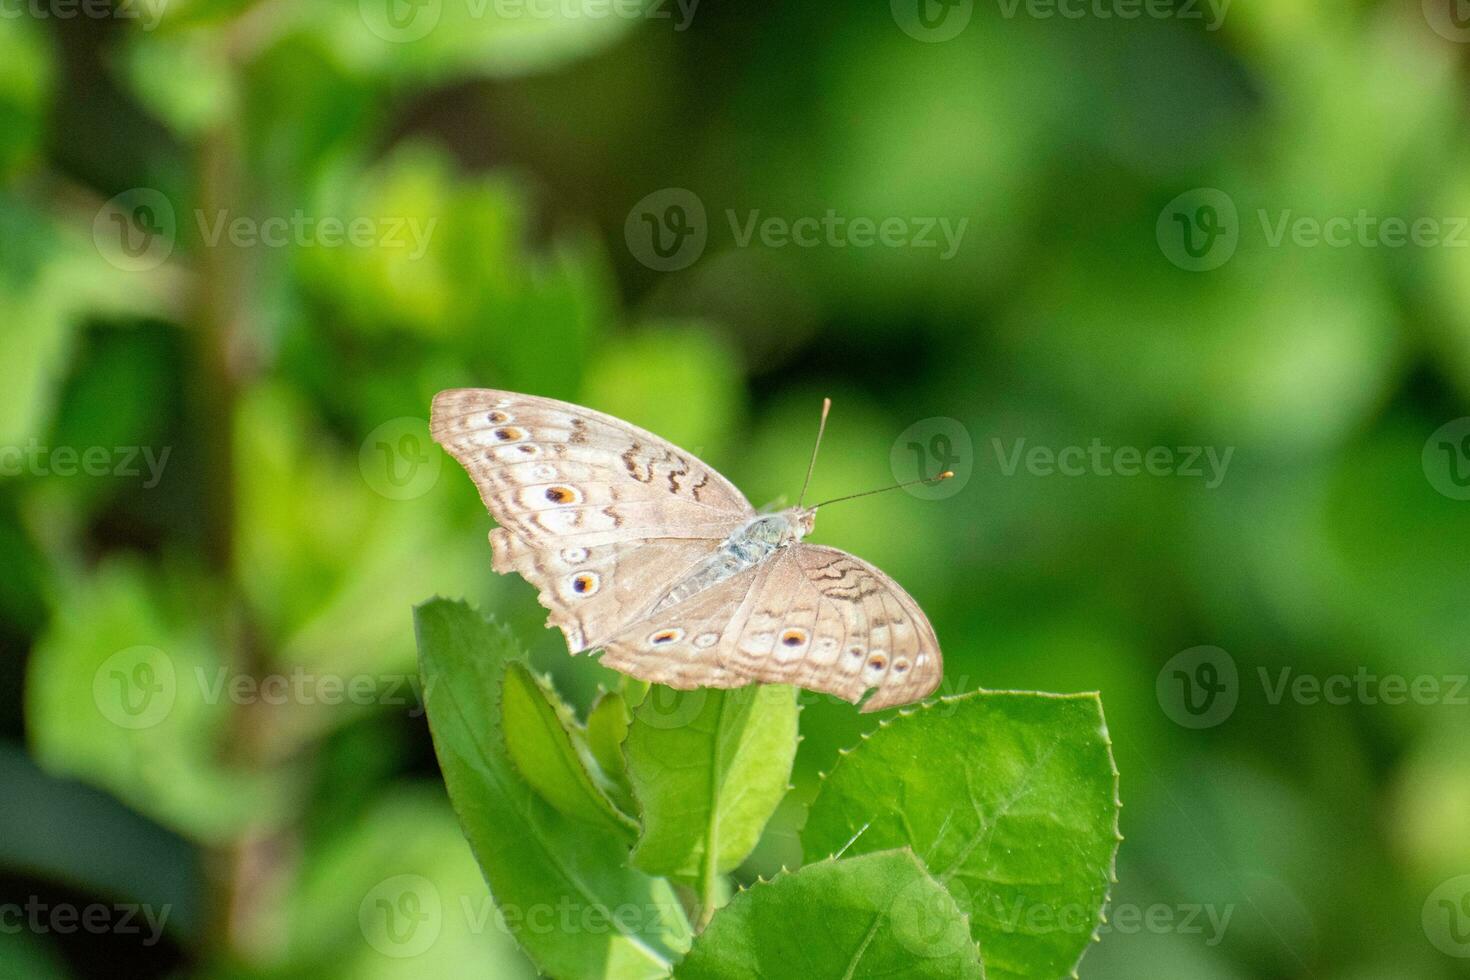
(747, 546)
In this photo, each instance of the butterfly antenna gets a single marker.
(868, 493)
(821, 427)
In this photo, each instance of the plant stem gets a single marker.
(710, 892)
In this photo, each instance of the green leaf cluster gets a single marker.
(973, 836)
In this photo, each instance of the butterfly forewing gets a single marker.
(550, 469)
(601, 516)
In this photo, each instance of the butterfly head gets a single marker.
(802, 520)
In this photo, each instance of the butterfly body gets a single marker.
(748, 546)
(640, 549)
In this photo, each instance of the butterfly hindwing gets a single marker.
(592, 592)
(811, 616)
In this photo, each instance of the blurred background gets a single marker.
(1179, 290)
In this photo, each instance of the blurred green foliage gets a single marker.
(301, 510)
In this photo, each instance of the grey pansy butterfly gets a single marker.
(640, 549)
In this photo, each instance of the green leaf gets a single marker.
(128, 689)
(324, 538)
(608, 722)
(392, 893)
(1009, 799)
(879, 915)
(441, 42)
(27, 66)
(544, 869)
(709, 767)
(697, 402)
(542, 741)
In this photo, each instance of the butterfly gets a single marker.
(638, 548)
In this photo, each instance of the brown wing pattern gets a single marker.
(811, 616)
(601, 516)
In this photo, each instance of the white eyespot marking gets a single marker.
(666, 636)
(923, 658)
(795, 636)
(584, 583)
(544, 472)
(562, 494)
(574, 556)
(502, 403)
(706, 640)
